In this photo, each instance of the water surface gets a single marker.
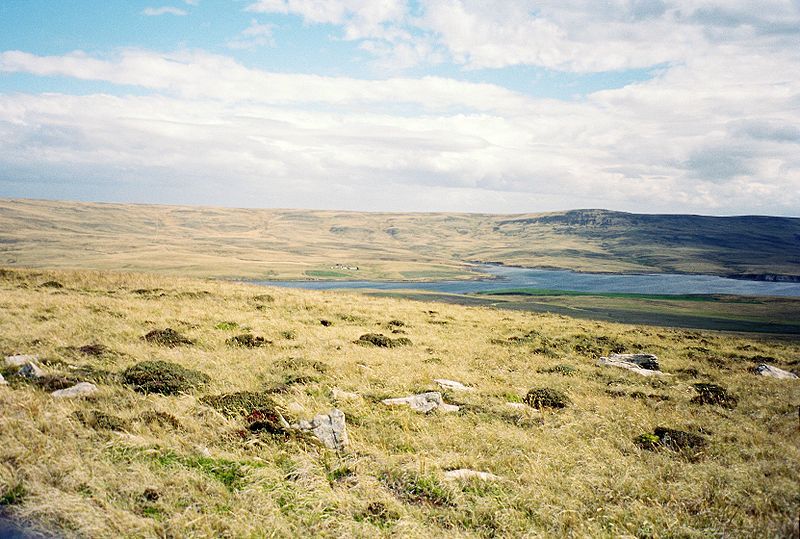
(503, 277)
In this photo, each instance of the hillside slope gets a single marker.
(136, 460)
(224, 242)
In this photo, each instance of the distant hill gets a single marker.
(252, 243)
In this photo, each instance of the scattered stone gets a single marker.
(452, 384)
(339, 395)
(382, 341)
(613, 361)
(464, 473)
(326, 323)
(423, 402)
(3, 381)
(774, 372)
(645, 361)
(163, 377)
(330, 429)
(166, 337)
(20, 360)
(31, 371)
(78, 390)
(714, 394)
(547, 398)
(247, 340)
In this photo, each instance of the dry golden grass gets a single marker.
(303, 244)
(574, 472)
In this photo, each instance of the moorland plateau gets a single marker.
(303, 244)
(181, 438)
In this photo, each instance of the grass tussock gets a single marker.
(188, 440)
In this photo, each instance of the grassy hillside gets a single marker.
(264, 244)
(124, 462)
(716, 311)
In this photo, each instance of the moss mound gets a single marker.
(247, 340)
(258, 409)
(673, 439)
(166, 337)
(382, 341)
(100, 420)
(239, 403)
(163, 377)
(547, 398)
(714, 394)
(161, 419)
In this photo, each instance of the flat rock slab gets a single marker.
(423, 402)
(464, 473)
(330, 429)
(81, 389)
(774, 372)
(644, 361)
(20, 360)
(633, 367)
(452, 384)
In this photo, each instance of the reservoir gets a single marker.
(504, 277)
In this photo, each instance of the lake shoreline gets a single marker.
(496, 276)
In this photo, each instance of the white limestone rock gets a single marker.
(330, 429)
(3, 381)
(643, 361)
(633, 367)
(423, 402)
(20, 360)
(464, 473)
(774, 372)
(452, 384)
(81, 389)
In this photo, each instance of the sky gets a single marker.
(505, 106)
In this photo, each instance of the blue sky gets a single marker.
(425, 105)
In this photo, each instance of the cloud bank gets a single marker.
(714, 130)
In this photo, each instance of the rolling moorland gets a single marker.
(181, 437)
(306, 244)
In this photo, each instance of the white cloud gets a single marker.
(568, 35)
(338, 142)
(164, 10)
(254, 36)
(714, 131)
